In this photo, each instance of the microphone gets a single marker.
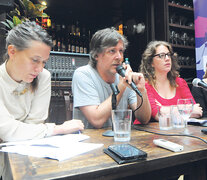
(114, 89)
(121, 71)
(198, 83)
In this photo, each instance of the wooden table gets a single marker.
(160, 163)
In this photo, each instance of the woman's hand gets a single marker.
(197, 111)
(69, 126)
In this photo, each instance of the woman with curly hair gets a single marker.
(164, 86)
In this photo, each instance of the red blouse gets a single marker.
(182, 91)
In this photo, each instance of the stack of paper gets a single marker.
(56, 147)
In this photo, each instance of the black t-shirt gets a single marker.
(200, 96)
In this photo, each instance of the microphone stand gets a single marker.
(115, 93)
(110, 133)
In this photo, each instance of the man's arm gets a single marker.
(97, 115)
(143, 114)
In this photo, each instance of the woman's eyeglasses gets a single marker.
(164, 55)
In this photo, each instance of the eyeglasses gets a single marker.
(163, 55)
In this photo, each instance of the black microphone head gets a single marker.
(195, 82)
(120, 70)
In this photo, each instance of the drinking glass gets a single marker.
(122, 124)
(185, 108)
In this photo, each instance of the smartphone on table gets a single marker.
(127, 151)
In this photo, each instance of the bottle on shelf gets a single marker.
(81, 43)
(59, 48)
(63, 38)
(73, 48)
(54, 37)
(58, 30)
(69, 37)
(77, 38)
(54, 45)
(63, 44)
(84, 41)
(63, 31)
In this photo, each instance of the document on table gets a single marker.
(56, 147)
(199, 122)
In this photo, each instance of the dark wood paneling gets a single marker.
(2, 37)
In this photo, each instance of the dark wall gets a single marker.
(5, 6)
(106, 13)
(2, 37)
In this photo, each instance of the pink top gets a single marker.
(182, 91)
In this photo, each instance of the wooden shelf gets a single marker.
(181, 26)
(180, 6)
(187, 67)
(182, 46)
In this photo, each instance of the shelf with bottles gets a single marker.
(180, 19)
(181, 39)
(181, 36)
(186, 59)
(71, 38)
(181, 26)
(186, 62)
(181, 14)
(187, 5)
(183, 46)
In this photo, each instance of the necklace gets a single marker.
(21, 89)
(19, 93)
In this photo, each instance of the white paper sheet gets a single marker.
(55, 147)
(56, 141)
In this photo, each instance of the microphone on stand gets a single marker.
(115, 92)
(110, 133)
(199, 83)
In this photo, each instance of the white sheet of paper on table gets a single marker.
(56, 147)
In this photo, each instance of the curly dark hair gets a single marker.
(146, 63)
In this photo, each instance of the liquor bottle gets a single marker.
(63, 31)
(54, 37)
(73, 39)
(69, 37)
(77, 38)
(84, 41)
(58, 31)
(63, 45)
(59, 48)
(81, 40)
(63, 37)
(54, 41)
(81, 44)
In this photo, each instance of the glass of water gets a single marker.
(122, 124)
(185, 108)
